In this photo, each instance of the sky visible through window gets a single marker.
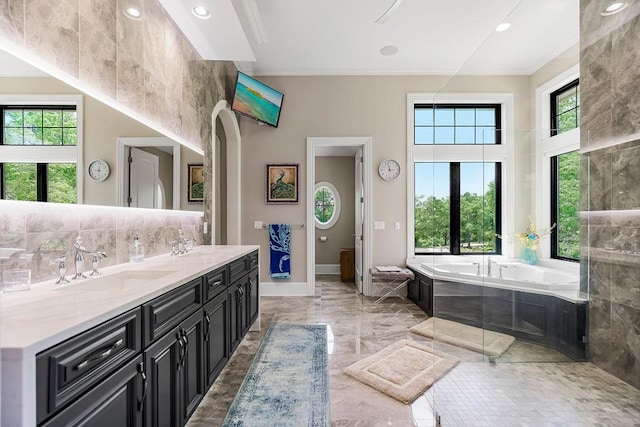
(432, 179)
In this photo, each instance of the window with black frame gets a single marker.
(457, 207)
(29, 129)
(565, 108)
(565, 200)
(458, 124)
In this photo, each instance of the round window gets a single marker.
(327, 205)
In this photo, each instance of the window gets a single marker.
(565, 108)
(457, 124)
(40, 166)
(461, 148)
(327, 205)
(457, 207)
(565, 199)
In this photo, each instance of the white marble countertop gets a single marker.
(34, 320)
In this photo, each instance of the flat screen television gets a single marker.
(257, 100)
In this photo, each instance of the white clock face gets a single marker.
(98, 170)
(389, 170)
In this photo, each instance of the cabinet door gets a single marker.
(216, 336)
(243, 310)
(161, 361)
(117, 401)
(191, 367)
(254, 296)
(413, 290)
(426, 295)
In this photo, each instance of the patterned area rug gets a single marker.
(469, 337)
(288, 382)
(404, 370)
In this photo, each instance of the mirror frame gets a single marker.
(152, 141)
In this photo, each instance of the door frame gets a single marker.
(151, 141)
(315, 144)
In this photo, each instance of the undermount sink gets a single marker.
(118, 281)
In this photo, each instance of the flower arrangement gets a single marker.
(530, 237)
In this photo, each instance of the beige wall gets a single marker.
(339, 171)
(356, 106)
(102, 127)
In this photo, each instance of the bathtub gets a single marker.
(514, 274)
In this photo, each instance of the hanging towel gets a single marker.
(280, 245)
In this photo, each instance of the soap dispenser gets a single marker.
(137, 250)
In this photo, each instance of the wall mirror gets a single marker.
(42, 151)
(327, 205)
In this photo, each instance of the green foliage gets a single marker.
(568, 227)
(477, 217)
(324, 204)
(62, 183)
(20, 181)
(40, 127)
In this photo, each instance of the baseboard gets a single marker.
(284, 289)
(327, 268)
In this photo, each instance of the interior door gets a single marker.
(359, 226)
(143, 179)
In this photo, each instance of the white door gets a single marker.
(358, 236)
(143, 179)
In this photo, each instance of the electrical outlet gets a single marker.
(378, 225)
(205, 228)
(257, 225)
(396, 225)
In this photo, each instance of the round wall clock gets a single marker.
(389, 169)
(98, 170)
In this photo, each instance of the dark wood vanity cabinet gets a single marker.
(152, 365)
(216, 336)
(175, 369)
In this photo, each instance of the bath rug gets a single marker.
(469, 337)
(288, 381)
(403, 370)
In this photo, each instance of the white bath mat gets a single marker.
(469, 337)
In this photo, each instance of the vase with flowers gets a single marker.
(530, 239)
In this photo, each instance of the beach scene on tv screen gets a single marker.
(257, 99)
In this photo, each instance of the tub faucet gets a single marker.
(477, 264)
(489, 266)
(501, 267)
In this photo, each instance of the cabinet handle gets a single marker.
(241, 291)
(250, 285)
(215, 284)
(181, 356)
(186, 348)
(99, 356)
(207, 330)
(145, 386)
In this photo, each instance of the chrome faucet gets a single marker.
(182, 245)
(501, 267)
(489, 266)
(79, 259)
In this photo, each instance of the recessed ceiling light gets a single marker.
(201, 12)
(132, 13)
(503, 27)
(389, 50)
(616, 7)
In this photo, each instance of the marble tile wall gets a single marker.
(146, 65)
(34, 235)
(610, 203)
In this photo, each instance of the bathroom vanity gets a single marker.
(137, 346)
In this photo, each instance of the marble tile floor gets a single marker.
(528, 386)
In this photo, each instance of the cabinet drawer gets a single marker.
(237, 269)
(166, 311)
(69, 369)
(253, 260)
(214, 283)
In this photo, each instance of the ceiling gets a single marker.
(339, 37)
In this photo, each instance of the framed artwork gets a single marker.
(281, 184)
(195, 179)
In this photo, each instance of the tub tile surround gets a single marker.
(44, 232)
(610, 217)
(147, 66)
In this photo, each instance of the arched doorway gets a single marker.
(232, 171)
